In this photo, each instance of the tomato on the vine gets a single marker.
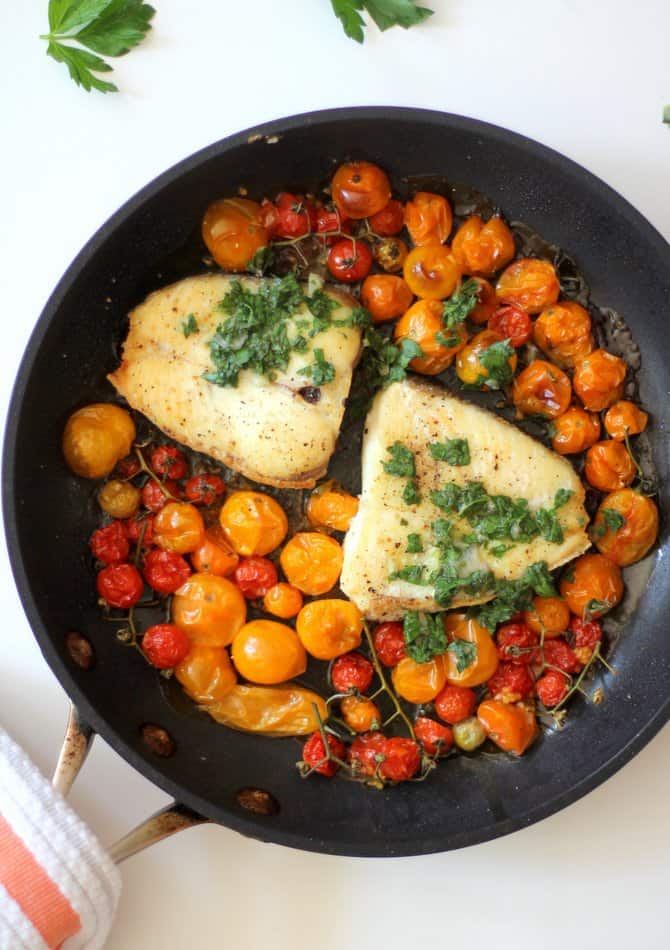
(349, 260)
(294, 216)
(352, 671)
(365, 753)
(204, 489)
(551, 688)
(110, 544)
(141, 526)
(455, 703)
(165, 571)
(435, 737)
(168, 461)
(155, 496)
(390, 220)
(121, 585)
(314, 754)
(389, 641)
(402, 759)
(165, 645)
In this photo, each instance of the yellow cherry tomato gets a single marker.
(458, 626)
(96, 437)
(253, 522)
(329, 628)
(209, 609)
(268, 652)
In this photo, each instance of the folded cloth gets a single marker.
(58, 886)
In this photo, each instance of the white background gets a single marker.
(589, 79)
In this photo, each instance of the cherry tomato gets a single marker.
(419, 682)
(551, 688)
(609, 466)
(128, 467)
(574, 431)
(389, 642)
(511, 682)
(541, 389)
(329, 628)
(255, 576)
(548, 616)
(512, 728)
(330, 223)
(121, 585)
(585, 634)
(455, 703)
(155, 496)
(286, 710)
(165, 571)
(268, 652)
(428, 218)
(314, 754)
(423, 324)
(487, 302)
(253, 522)
(204, 489)
(214, 555)
(96, 437)
(482, 249)
(431, 272)
(599, 379)
(592, 585)
(110, 544)
(390, 253)
(312, 562)
(390, 220)
(330, 508)
(360, 189)
(513, 324)
(516, 642)
(233, 231)
(626, 526)
(167, 461)
(385, 296)
(469, 734)
(206, 673)
(165, 645)
(459, 626)
(435, 737)
(529, 283)
(349, 260)
(563, 333)
(360, 713)
(469, 367)
(283, 600)
(352, 671)
(179, 527)
(402, 759)
(210, 609)
(625, 418)
(141, 526)
(119, 499)
(558, 653)
(295, 217)
(366, 753)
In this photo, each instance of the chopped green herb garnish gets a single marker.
(321, 370)
(413, 574)
(453, 451)
(410, 494)
(424, 636)
(382, 363)
(612, 521)
(460, 305)
(262, 261)
(414, 544)
(495, 360)
(401, 461)
(189, 325)
(447, 340)
(465, 653)
(513, 596)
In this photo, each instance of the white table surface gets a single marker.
(589, 79)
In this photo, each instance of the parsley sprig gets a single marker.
(107, 27)
(385, 13)
(424, 636)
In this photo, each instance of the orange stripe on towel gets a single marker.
(33, 890)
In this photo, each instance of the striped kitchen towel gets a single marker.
(58, 886)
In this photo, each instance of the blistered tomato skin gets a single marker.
(511, 682)
(487, 302)
(119, 499)
(204, 489)
(431, 272)
(293, 216)
(210, 609)
(352, 671)
(330, 508)
(469, 368)
(563, 333)
(592, 585)
(435, 737)
(120, 585)
(623, 419)
(385, 296)
(422, 323)
(513, 324)
(329, 628)
(360, 189)
(559, 654)
(110, 544)
(585, 635)
(165, 571)
(165, 645)
(167, 461)
(541, 389)
(312, 562)
(626, 526)
(390, 220)
(214, 555)
(389, 643)
(390, 253)
(529, 283)
(268, 652)
(96, 437)
(574, 431)
(155, 496)
(428, 218)
(141, 528)
(517, 642)
(283, 600)
(458, 626)
(548, 616)
(483, 249)
(253, 522)
(206, 673)
(599, 380)
(402, 759)
(511, 727)
(366, 752)
(179, 527)
(552, 687)
(255, 576)
(314, 754)
(455, 703)
(233, 232)
(609, 466)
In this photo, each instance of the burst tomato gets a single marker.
(165, 645)
(626, 526)
(314, 754)
(513, 324)
(455, 703)
(435, 737)
(558, 653)
(121, 585)
(360, 189)
(168, 461)
(423, 324)
(563, 333)
(155, 496)
(483, 249)
(214, 555)
(255, 576)
(206, 673)
(390, 253)
(599, 380)
(233, 231)
(385, 296)
(352, 671)
(574, 431)
(366, 753)
(516, 642)
(585, 634)
(458, 626)
(428, 218)
(179, 527)
(110, 544)
(551, 688)
(511, 682)
(165, 571)
(541, 389)
(511, 727)
(390, 220)
(530, 284)
(204, 489)
(431, 272)
(625, 418)
(389, 642)
(402, 759)
(609, 466)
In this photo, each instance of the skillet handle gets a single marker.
(175, 817)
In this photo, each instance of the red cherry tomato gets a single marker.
(165, 571)
(389, 641)
(329, 222)
(110, 544)
(168, 462)
(204, 489)
(141, 526)
(165, 645)
(366, 752)
(513, 324)
(314, 752)
(295, 216)
(128, 467)
(121, 585)
(349, 261)
(511, 682)
(515, 643)
(153, 496)
(433, 736)
(584, 635)
(255, 576)
(352, 671)
(390, 220)
(551, 688)
(402, 759)
(559, 653)
(455, 703)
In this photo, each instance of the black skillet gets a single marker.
(468, 800)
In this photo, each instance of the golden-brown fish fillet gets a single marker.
(505, 459)
(264, 429)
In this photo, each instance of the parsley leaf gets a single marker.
(413, 574)
(448, 341)
(189, 325)
(495, 360)
(513, 596)
(453, 451)
(465, 652)
(424, 636)
(401, 461)
(414, 544)
(611, 521)
(460, 305)
(410, 493)
(322, 370)
(385, 13)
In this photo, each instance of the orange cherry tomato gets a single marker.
(599, 379)
(329, 628)
(574, 431)
(253, 522)
(214, 555)
(330, 508)
(268, 652)
(312, 562)
(420, 682)
(625, 526)
(206, 673)
(96, 437)
(360, 713)
(511, 727)
(389, 220)
(360, 189)
(423, 324)
(625, 418)
(592, 585)
(529, 283)
(390, 253)
(549, 615)
(482, 249)
(431, 272)
(563, 333)
(385, 296)
(233, 231)
(609, 466)
(458, 626)
(283, 600)
(428, 218)
(469, 367)
(487, 302)
(541, 389)
(287, 710)
(209, 609)
(178, 527)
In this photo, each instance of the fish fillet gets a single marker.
(502, 457)
(264, 429)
